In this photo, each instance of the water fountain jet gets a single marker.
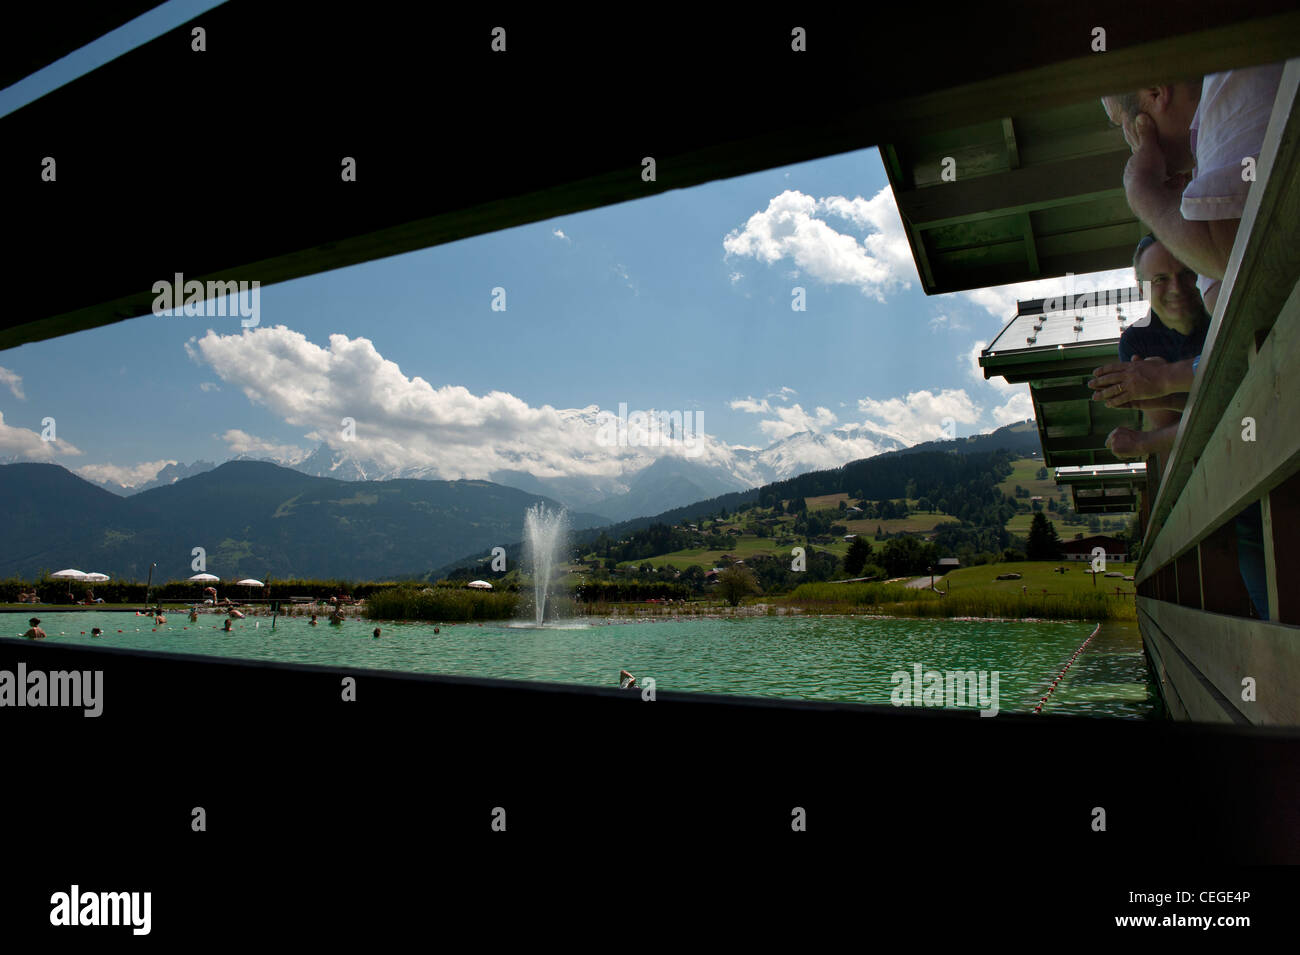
(544, 536)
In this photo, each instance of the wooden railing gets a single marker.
(1238, 443)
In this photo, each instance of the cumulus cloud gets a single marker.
(128, 475)
(1000, 300)
(559, 234)
(751, 405)
(241, 442)
(976, 372)
(921, 415)
(403, 422)
(1017, 408)
(793, 227)
(13, 381)
(789, 419)
(23, 444)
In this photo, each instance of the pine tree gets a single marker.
(1043, 543)
(857, 557)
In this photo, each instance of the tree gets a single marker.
(1042, 474)
(1044, 543)
(736, 582)
(857, 557)
(907, 555)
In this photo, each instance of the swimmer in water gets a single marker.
(96, 632)
(35, 633)
(313, 620)
(626, 681)
(194, 615)
(159, 620)
(376, 633)
(228, 624)
(436, 630)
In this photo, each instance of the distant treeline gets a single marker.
(117, 591)
(613, 591)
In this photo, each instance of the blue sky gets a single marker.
(680, 301)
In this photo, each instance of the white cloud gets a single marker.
(790, 227)
(1000, 300)
(23, 444)
(14, 382)
(790, 419)
(751, 405)
(241, 442)
(1017, 408)
(209, 386)
(976, 372)
(736, 277)
(920, 416)
(559, 234)
(130, 475)
(403, 422)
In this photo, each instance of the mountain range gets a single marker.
(254, 519)
(258, 519)
(649, 485)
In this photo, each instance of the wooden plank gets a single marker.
(1281, 508)
(1261, 276)
(1152, 642)
(1233, 472)
(1018, 191)
(1266, 39)
(1272, 581)
(1225, 650)
(1198, 698)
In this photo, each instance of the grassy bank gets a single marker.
(973, 593)
(441, 603)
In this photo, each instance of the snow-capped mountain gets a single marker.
(648, 484)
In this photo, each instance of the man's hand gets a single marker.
(1120, 383)
(1148, 183)
(1127, 443)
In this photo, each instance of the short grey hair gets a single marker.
(1128, 103)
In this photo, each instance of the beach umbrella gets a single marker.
(69, 575)
(479, 585)
(96, 578)
(206, 579)
(249, 583)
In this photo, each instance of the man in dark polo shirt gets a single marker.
(1159, 357)
(1158, 354)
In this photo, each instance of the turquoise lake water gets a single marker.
(845, 659)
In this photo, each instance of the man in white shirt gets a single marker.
(1194, 146)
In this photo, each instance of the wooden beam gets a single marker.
(1018, 191)
(1233, 472)
(1222, 651)
(1281, 509)
(1199, 698)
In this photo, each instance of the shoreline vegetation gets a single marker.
(968, 596)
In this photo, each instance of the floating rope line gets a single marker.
(1059, 676)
